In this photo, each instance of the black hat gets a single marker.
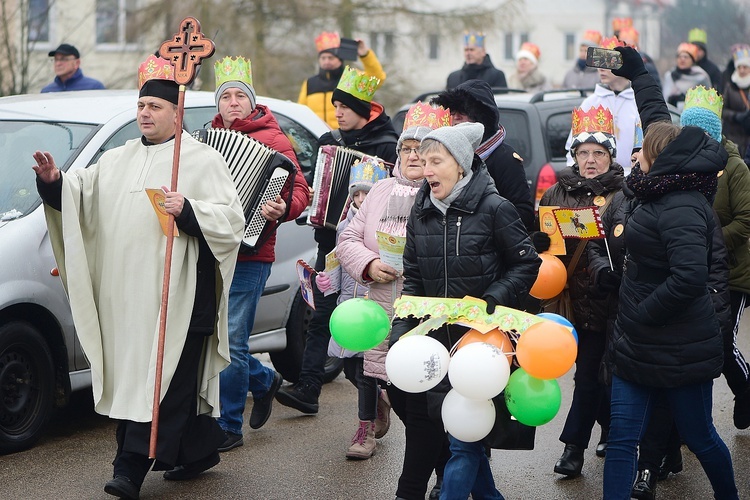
(65, 49)
(163, 89)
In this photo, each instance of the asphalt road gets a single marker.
(302, 457)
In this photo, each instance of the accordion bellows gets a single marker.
(259, 174)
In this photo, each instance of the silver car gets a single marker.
(41, 361)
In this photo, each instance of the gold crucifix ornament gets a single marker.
(186, 49)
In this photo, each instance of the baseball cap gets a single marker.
(65, 49)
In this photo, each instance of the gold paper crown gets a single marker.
(629, 36)
(327, 40)
(473, 39)
(701, 97)
(592, 36)
(155, 68)
(424, 115)
(597, 119)
(619, 23)
(690, 48)
(697, 35)
(611, 42)
(358, 83)
(230, 69)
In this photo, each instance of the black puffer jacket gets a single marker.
(666, 333)
(572, 191)
(485, 71)
(479, 248)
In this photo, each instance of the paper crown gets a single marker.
(592, 36)
(610, 43)
(697, 35)
(690, 48)
(473, 39)
(619, 23)
(629, 36)
(597, 119)
(232, 69)
(701, 97)
(533, 48)
(741, 55)
(327, 40)
(366, 173)
(358, 83)
(424, 115)
(155, 68)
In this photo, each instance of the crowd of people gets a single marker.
(656, 304)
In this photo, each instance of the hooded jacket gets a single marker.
(484, 71)
(475, 99)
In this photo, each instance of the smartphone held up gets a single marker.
(597, 57)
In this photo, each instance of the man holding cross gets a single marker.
(110, 249)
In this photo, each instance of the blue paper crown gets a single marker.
(367, 171)
(473, 39)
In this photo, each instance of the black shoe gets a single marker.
(571, 461)
(262, 407)
(741, 413)
(644, 487)
(189, 471)
(435, 491)
(670, 463)
(232, 441)
(301, 396)
(123, 487)
(601, 448)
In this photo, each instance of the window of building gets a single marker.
(39, 21)
(433, 42)
(513, 42)
(116, 22)
(383, 45)
(571, 51)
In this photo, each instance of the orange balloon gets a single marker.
(546, 350)
(551, 278)
(496, 337)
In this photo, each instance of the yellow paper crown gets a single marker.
(359, 84)
(424, 115)
(232, 69)
(701, 97)
(155, 68)
(597, 119)
(697, 35)
(619, 23)
(473, 39)
(611, 42)
(689, 48)
(327, 40)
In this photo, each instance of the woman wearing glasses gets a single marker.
(593, 180)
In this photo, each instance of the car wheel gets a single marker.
(26, 385)
(289, 361)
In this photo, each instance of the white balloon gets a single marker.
(479, 371)
(465, 419)
(417, 363)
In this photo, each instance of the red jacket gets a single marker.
(262, 126)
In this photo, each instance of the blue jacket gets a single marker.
(75, 82)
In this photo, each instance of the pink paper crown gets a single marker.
(619, 23)
(327, 40)
(690, 48)
(424, 115)
(610, 43)
(155, 68)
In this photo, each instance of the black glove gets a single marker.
(740, 116)
(609, 280)
(674, 99)
(491, 303)
(632, 64)
(540, 240)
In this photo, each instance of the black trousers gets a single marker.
(736, 369)
(367, 388)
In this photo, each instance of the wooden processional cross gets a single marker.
(185, 51)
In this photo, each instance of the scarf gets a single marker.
(651, 187)
(443, 204)
(742, 83)
(487, 147)
(241, 125)
(396, 215)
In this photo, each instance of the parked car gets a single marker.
(537, 126)
(41, 360)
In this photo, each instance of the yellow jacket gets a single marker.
(321, 88)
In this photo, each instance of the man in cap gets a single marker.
(699, 38)
(365, 127)
(110, 247)
(317, 90)
(68, 74)
(477, 65)
(238, 110)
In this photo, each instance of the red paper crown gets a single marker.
(619, 23)
(531, 47)
(592, 36)
(327, 40)
(610, 43)
(424, 115)
(629, 36)
(690, 48)
(597, 119)
(155, 68)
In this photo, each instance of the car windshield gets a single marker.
(18, 141)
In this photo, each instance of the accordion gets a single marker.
(258, 172)
(331, 185)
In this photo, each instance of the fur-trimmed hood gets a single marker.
(475, 99)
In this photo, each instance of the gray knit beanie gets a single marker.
(416, 133)
(460, 140)
(247, 89)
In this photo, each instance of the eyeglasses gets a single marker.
(598, 154)
(408, 151)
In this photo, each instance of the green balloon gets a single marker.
(359, 324)
(530, 400)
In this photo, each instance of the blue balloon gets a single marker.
(559, 319)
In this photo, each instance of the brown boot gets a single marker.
(363, 442)
(383, 420)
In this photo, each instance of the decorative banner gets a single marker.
(156, 196)
(306, 273)
(581, 223)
